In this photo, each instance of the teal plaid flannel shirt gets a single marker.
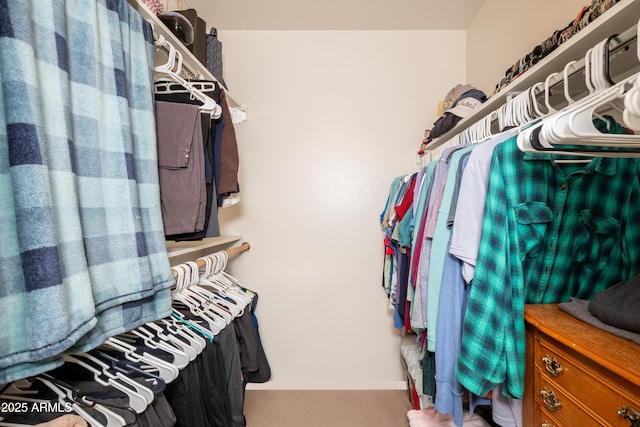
(550, 232)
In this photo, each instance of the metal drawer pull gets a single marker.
(550, 400)
(552, 366)
(546, 424)
(630, 415)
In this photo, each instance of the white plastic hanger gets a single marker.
(205, 299)
(638, 44)
(208, 299)
(151, 340)
(21, 399)
(597, 76)
(20, 388)
(501, 116)
(237, 288)
(169, 86)
(524, 108)
(486, 132)
(211, 277)
(565, 74)
(193, 325)
(167, 67)
(215, 278)
(602, 64)
(187, 347)
(570, 101)
(547, 93)
(217, 305)
(575, 126)
(137, 402)
(65, 395)
(172, 69)
(105, 368)
(234, 290)
(194, 304)
(596, 66)
(183, 333)
(167, 371)
(536, 107)
(631, 113)
(524, 138)
(587, 71)
(31, 400)
(22, 393)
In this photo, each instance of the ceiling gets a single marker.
(334, 14)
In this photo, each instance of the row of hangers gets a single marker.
(573, 130)
(173, 82)
(568, 128)
(173, 69)
(140, 363)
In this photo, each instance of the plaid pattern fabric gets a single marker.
(83, 254)
(550, 232)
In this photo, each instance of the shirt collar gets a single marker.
(447, 155)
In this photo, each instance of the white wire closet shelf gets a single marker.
(623, 16)
(190, 62)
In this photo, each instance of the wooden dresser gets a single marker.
(578, 375)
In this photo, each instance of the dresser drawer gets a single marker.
(592, 385)
(555, 404)
(545, 419)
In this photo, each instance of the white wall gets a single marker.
(334, 116)
(504, 31)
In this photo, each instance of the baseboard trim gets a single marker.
(329, 385)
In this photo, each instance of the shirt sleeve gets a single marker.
(467, 224)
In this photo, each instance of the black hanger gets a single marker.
(607, 57)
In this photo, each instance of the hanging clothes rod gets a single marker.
(233, 251)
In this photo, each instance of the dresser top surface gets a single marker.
(617, 354)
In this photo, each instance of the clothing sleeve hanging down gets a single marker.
(550, 232)
(229, 159)
(467, 228)
(83, 254)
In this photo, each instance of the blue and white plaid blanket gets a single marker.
(83, 254)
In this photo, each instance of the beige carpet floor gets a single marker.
(320, 408)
